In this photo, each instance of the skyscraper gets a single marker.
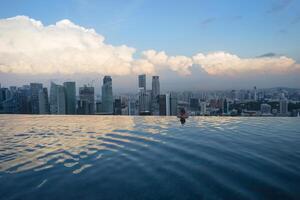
(173, 104)
(154, 95)
(35, 89)
(117, 107)
(107, 95)
(283, 107)
(155, 86)
(57, 99)
(144, 101)
(87, 97)
(142, 81)
(43, 101)
(70, 91)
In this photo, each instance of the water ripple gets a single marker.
(149, 157)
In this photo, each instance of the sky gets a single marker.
(191, 44)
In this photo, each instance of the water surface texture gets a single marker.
(119, 157)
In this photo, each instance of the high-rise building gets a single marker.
(87, 99)
(154, 96)
(144, 101)
(43, 101)
(142, 81)
(225, 106)
(173, 104)
(132, 107)
(70, 91)
(155, 86)
(117, 107)
(35, 89)
(265, 109)
(283, 106)
(167, 104)
(202, 107)
(107, 95)
(162, 104)
(194, 104)
(57, 99)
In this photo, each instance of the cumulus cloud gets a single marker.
(29, 47)
(222, 63)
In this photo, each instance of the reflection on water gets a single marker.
(118, 157)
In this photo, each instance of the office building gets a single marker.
(35, 89)
(283, 107)
(43, 102)
(87, 100)
(117, 107)
(265, 109)
(57, 99)
(70, 92)
(142, 81)
(107, 95)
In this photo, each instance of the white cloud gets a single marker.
(179, 64)
(29, 47)
(222, 63)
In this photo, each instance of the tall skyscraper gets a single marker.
(225, 106)
(117, 107)
(107, 95)
(35, 89)
(43, 101)
(173, 104)
(203, 108)
(283, 106)
(142, 81)
(162, 104)
(70, 91)
(87, 98)
(57, 99)
(144, 101)
(155, 86)
(154, 95)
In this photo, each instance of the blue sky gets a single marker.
(245, 28)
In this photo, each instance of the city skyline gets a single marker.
(195, 45)
(64, 100)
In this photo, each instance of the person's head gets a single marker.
(182, 121)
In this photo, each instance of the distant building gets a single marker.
(132, 107)
(173, 104)
(154, 96)
(35, 89)
(87, 100)
(107, 95)
(225, 106)
(203, 108)
(98, 106)
(194, 104)
(43, 102)
(142, 81)
(162, 105)
(155, 86)
(283, 107)
(117, 107)
(144, 101)
(265, 109)
(70, 92)
(57, 99)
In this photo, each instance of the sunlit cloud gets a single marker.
(222, 63)
(29, 47)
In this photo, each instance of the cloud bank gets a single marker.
(29, 47)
